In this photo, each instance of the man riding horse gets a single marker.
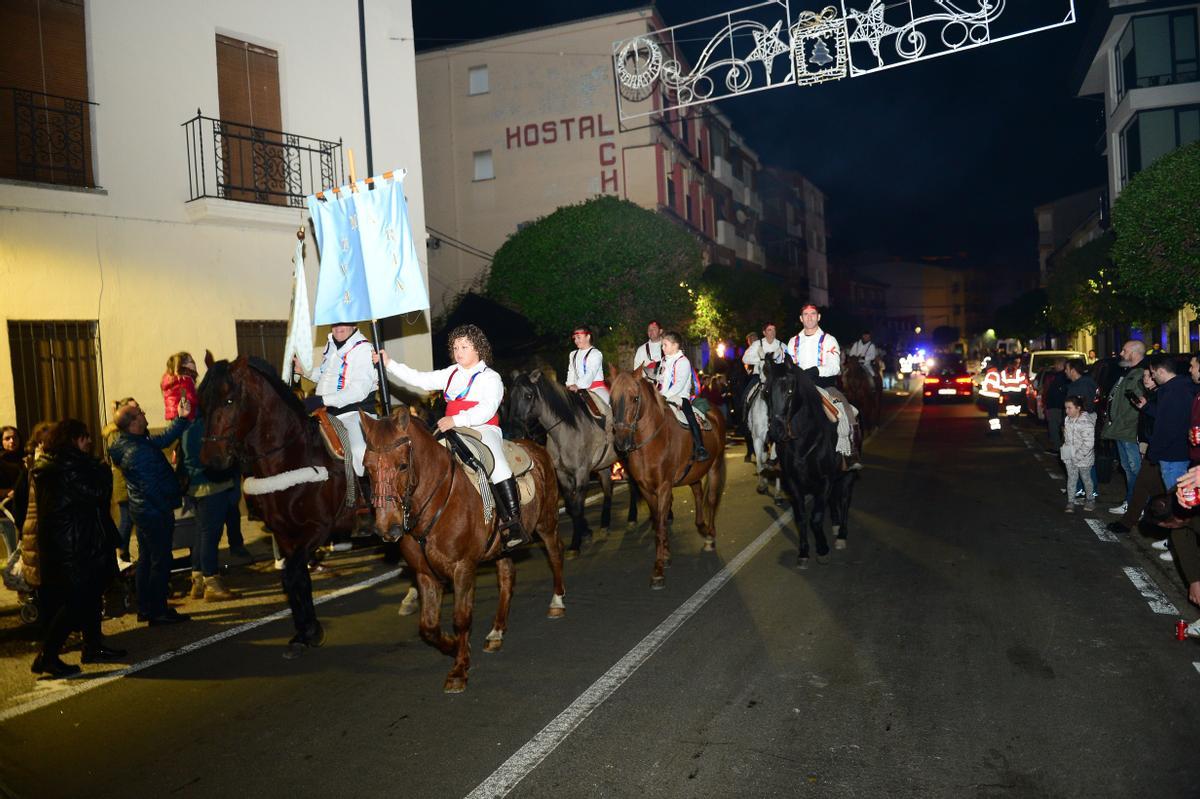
(346, 383)
(816, 352)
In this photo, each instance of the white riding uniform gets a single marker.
(821, 350)
(585, 371)
(758, 352)
(344, 377)
(480, 388)
(866, 353)
(648, 357)
(676, 380)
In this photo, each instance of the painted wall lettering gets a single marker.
(554, 131)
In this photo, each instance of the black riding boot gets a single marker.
(697, 437)
(509, 509)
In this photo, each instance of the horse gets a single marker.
(862, 391)
(756, 423)
(423, 497)
(806, 442)
(659, 453)
(578, 446)
(251, 417)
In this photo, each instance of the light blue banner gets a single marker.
(369, 267)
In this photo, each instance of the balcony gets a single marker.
(231, 161)
(45, 138)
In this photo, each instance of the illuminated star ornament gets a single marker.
(870, 27)
(768, 46)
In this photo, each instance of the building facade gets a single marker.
(517, 126)
(152, 186)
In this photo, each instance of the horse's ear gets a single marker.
(400, 415)
(535, 376)
(208, 359)
(367, 421)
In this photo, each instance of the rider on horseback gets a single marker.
(815, 351)
(473, 393)
(677, 383)
(649, 355)
(585, 367)
(346, 382)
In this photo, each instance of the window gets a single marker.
(483, 165)
(262, 338)
(689, 206)
(1157, 50)
(45, 116)
(477, 78)
(1153, 134)
(56, 373)
(251, 121)
(670, 190)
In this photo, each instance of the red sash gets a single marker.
(598, 384)
(457, 404)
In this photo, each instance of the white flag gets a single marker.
(300, 329)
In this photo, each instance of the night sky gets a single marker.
(942, 157)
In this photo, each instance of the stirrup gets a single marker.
(514, 535)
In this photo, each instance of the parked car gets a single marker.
(947, 378)
(1038, 364)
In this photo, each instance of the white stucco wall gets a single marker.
(161, 274)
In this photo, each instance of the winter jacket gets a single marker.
(1121, 419)
(153, 486)
(25, 514)
(1079, 440)
(175, 387)
(1085, 388)
(202, 482)
(120, 491)
(1054, 390)
(1171, 415)
(76, 535)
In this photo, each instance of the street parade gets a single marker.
(612, 429)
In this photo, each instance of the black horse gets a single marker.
(578, 446)
(806, 443)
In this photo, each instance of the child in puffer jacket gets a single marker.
(1078, 451)
(179, 381)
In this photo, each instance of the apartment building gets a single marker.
(154, 160)
(516, 126)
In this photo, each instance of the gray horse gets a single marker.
(578, 445)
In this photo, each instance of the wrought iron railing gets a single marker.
(45, 138)
(232, 161)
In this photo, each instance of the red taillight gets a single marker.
(962, 380)
(932, 381)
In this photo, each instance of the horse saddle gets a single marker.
(700, 407)
(518, 461)
(599, 409)
(329, 434)
(828, 402)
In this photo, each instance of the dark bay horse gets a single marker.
(806, 442)
(659, 453)
(424, 497)
(252, 417)
(862, 389)
(578, 446)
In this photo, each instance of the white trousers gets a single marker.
(602, 393)
(358, 444)
(494, 439)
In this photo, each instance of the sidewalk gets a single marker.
(257, 581)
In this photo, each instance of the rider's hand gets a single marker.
(1189, 479)
(445, 423)
(381, 355)
(572, 388)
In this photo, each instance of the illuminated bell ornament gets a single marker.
(820, 47)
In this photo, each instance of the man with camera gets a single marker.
(1121, 417)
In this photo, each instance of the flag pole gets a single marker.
(385, 398)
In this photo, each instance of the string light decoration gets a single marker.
(742, 51)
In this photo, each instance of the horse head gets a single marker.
(246, 408)
(389, 461)
(520, 402)
(633, 398)
(780, 393)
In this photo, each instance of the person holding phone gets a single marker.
(1121, 417)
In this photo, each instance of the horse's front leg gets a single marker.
(634, 497)
(505, 577)
(430, 623)
(604, 475)
(840, 508)
(297, 584)
(817, 523)
(662, 545)
(464, 603)
(574, 490)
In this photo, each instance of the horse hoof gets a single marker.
(411, 603)
(658, 583)
(802, 564)
(710, 544)
(454, 685)
(839, 544)
(490, 646)
(556, 613)
(823, 559)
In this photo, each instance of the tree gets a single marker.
(1157, 222)
(1025, 317)
(604, 262)
(1085, 290)
(733, 302)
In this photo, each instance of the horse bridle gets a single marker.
(408, 518)
(235, 444)
(632, 427)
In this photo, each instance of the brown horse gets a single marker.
(659, 453)
(860, 390)
(425, 498)
(252, 417)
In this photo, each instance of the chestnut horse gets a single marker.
(253, 418)
(423, 497)
(659, 454)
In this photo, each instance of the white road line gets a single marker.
(1101, 531)
(1150, 591)
(1054, 476)
(1037, 456)
(79, 685)
(529, 756)
(1197, 665)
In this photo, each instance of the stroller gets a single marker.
(13, 579)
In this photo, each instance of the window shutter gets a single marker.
(248, 95)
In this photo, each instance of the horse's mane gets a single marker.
(219, 373)
(561, 404)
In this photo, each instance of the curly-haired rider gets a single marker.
(473, 392)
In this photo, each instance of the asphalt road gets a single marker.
(972, 640)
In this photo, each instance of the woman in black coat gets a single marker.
(76, 541)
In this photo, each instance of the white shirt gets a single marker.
(675, 379)
(648, 357)
(487, 389)
(756, 354)
(819, 350)
(345, 374)
(585, 367)
(865, 351)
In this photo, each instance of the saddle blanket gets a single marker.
(701, 417)
(518, 460)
